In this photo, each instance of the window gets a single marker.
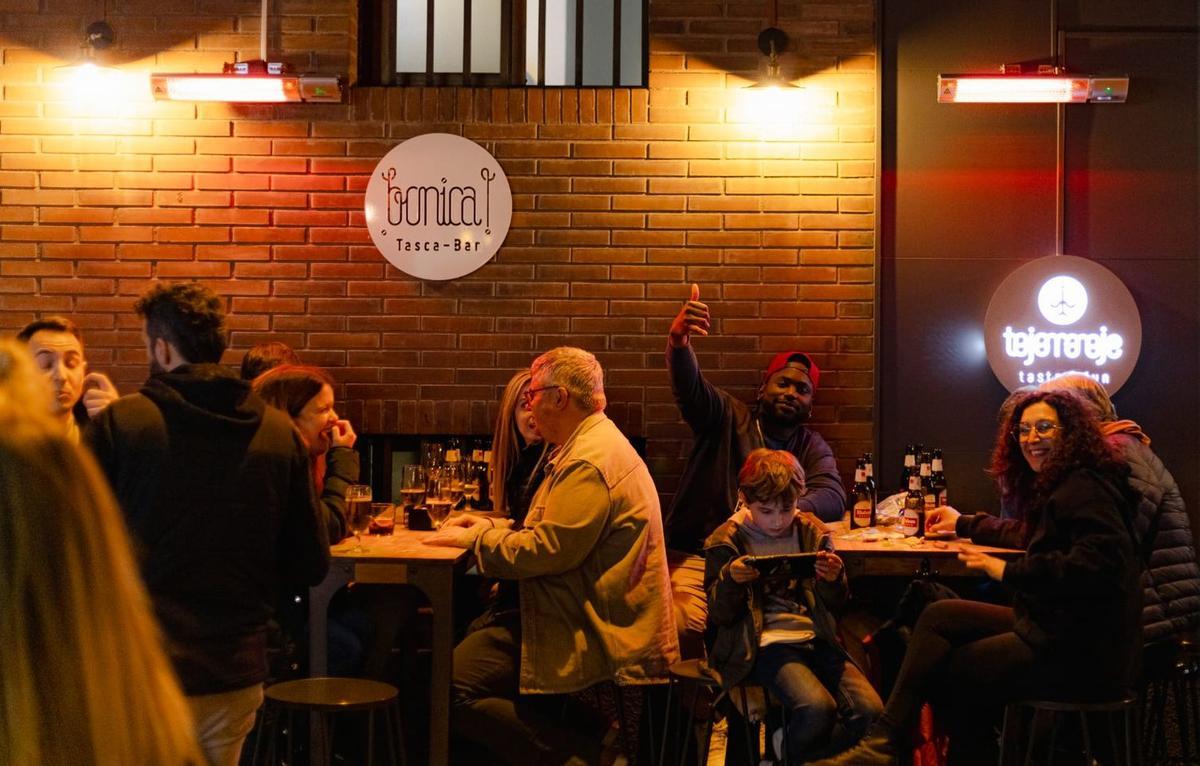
(503, 43)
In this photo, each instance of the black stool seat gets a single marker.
(332, 694)
(1117, 715)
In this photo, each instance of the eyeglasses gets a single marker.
(1044, 429)
(527, 397)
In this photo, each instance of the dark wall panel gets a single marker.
(969, 194)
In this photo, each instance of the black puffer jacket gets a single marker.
(1171, 581)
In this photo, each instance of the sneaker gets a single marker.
(871, 751)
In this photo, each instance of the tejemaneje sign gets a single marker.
(1062, 314)
(438, 206)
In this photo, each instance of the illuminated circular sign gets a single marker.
(438, 206)
(1062, 314)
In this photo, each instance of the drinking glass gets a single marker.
(358, 511)
(441, 495)
(456, 476)
(412, 486)
(383, 518)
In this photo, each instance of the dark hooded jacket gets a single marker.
(215, 488)
(725, 432)
(735, 611)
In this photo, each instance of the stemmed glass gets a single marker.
(358, 511)
(442, 494)
(412, 487)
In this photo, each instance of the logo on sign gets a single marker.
(438, 206)
(1094, 326)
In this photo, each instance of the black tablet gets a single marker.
(785, 566)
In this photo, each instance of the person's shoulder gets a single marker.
(723, 536)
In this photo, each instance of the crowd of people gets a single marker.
(227, 490)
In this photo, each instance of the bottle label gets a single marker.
(941, 497)
(930, 501)
(910, 522)
(862, 513)
(937, 465)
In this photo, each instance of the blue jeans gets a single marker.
(828, 701)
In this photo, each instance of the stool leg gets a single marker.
(290, 753)
(666, 727)
(751, 731)
(370, 736)
(1087, 739)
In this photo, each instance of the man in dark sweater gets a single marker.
(726, 431)
(216, 491)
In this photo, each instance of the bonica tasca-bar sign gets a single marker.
(1062, 314)
(438, 206)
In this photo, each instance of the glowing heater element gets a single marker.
(1030, 89)
(237, 88)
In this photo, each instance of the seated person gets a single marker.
(783, 634)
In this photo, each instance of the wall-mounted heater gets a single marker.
(1046, 85)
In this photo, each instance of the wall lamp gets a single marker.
(1046, 85)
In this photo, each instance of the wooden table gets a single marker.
(400, 559)
(907, 557)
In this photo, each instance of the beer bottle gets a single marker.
(938, 478)
(910, 466)
(928, 496)
(862, 505)
(453, 450)
(871, 478)
(912, 522)
(483, 494)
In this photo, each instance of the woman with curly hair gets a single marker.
(1074, 630)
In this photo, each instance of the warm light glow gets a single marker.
(1010, 89)
(228, 88)
(772, 113)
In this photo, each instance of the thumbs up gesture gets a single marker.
(98, 393)
(692, 318)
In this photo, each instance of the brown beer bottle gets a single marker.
(912, 521)
(862, 505)
(928, 496)
(938, 478)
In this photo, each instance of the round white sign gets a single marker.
(438, 206)
(1062, 314)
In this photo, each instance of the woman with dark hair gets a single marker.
(1073, 630)
(306, 395)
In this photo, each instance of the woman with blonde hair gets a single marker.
(517, 452)
(85, 679)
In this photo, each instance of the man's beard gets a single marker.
(798, 415)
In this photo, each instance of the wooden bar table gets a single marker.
(398, 559)
(906, 556)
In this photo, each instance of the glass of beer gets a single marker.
(441, 495)
(358, 511)
(412, 487)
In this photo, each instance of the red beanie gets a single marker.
(783, 358)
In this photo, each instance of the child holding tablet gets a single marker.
(778, 632)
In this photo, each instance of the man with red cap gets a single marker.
(725, 431)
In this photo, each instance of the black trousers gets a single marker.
(512, 728)
(965, 656)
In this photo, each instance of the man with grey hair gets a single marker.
(592, 571)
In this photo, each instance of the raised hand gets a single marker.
(944, 518)
(692, 318)
(342, 434)
(98, 393)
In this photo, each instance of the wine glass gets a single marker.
(457, 483)
(441, 495)
(358, 511)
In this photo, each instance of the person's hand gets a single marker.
(944, 518)
(692, 318)
(829, 566)
(741, 572)
(98, 393)
(470, 520)
(342, 435)
(452, 537)
(977, 559)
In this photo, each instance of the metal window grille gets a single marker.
(504, 43)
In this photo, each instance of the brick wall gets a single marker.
(621, 198)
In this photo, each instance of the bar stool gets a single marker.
(323, 698)
(1119, 719)
(691, 681)
(1179, 679)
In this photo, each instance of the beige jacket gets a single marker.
(592, 566)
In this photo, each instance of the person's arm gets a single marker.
(1100, 545)
(727, 600)
(341, 470)
(303, 537)
(699, 401)
(98, 437)
(825, 497)
(834, 594)
(576, 513)
(985, 529)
